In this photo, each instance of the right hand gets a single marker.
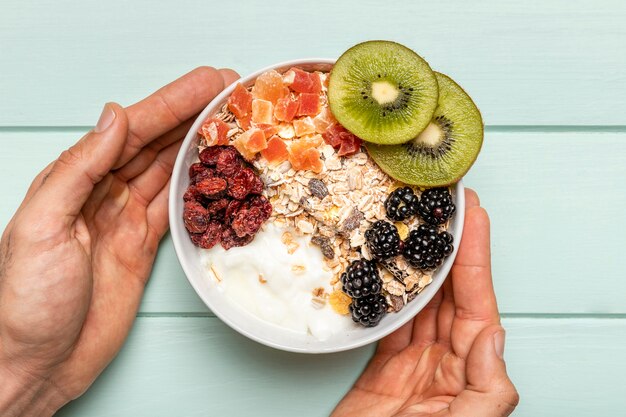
(448, 361)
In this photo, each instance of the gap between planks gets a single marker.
(542, 316)
(488, 129)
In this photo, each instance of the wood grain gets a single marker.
(557, 62)
(199, 367)
(555, 200)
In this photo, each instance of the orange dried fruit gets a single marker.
(309, 104)
(286, 108)
(250, 142)
(214, 131)
(303, 81)
(262, 111)
(340, 302)
(269, 86)
(268, 130)
(304, 156)
(240, 101)
(304, 126)
(324, 120)
(276, 151)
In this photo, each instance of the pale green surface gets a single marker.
(200, 367)
(555, 194)
(552, 62)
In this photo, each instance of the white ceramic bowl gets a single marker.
(245, 323)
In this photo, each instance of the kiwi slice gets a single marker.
(445, 150)
(383, 92)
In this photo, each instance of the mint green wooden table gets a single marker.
(550, 78)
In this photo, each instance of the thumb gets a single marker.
(78, 169)
(489, 392)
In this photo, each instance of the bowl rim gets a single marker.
(177, 232)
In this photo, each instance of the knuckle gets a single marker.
(206, 70)
(509, 394)
(70, 157)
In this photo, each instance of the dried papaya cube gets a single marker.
(303, 81)
(304, 126)
(262, 111)
(250, 142)
(323, 120)
(276, 151)
(286, 108)
(214, 132)
(240, 101)
(269, 86)
(268, 130)
(309, 104)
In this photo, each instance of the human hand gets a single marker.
(448, 361)
(75, 258)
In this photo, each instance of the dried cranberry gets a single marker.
(203, 175)
(209, 155)
(212, 188)
(216, 208)
(233, 207)
(257, 185)
(192, 194)
(248, 221)
(210, 237)
(261, 202)
(240, 184)
(230, 239)
(229, 161)
(195, 217)
(196, 169)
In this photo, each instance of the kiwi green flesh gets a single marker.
(402, 81)
(445, 150)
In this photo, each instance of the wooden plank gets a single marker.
(559, 62)
(198, 367)
(555, 199)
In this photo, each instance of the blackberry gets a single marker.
(368, 311)
(383, 240)
(361, 279)
(401, 204)
(425, 248)
(436, 206)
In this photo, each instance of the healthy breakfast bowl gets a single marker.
(296, 235)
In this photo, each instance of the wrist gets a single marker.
(23, 395)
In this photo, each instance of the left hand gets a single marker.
(75, 258)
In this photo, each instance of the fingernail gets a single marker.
(106, 118)
(498, 343)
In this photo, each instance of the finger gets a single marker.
(169, 107)
(229, 76)
(37, 183)
(147, 155)
(157, 212)
(78, 169)
(471, 198)
(471, 273)
(425, 325)
(445, 317)
(474, 298)
(487, 376)
(448, 309)
(148, 184)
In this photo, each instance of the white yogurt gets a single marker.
(274, 285)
